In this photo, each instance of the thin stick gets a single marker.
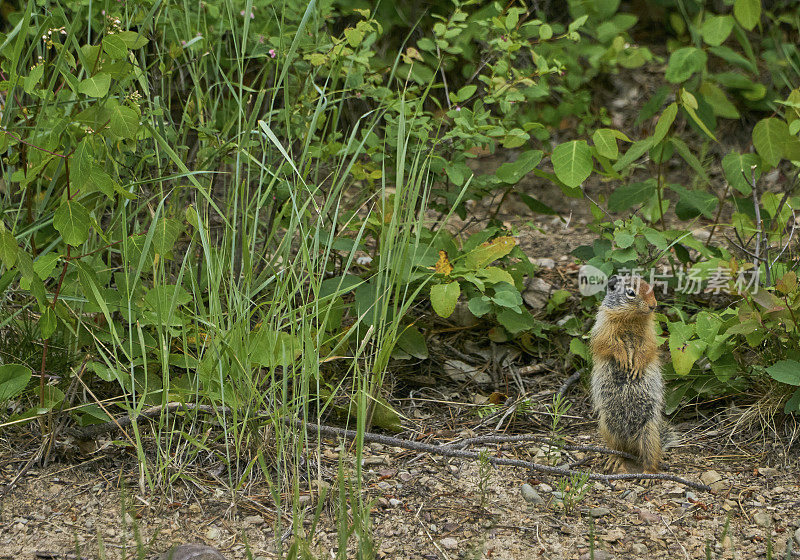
(442, 450)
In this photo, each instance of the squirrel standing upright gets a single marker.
(627, 387)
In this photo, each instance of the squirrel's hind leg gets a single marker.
(650, 446)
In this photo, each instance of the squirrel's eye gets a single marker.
(630, 293)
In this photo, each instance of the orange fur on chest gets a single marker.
(632, 344)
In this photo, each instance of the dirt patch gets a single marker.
(431, 507)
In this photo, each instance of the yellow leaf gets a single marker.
(443, 265)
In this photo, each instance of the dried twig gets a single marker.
(445, 450)
(571, 380)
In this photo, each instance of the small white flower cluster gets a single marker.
(48, 37)
(114, 24)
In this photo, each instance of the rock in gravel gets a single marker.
(598, 555)
(192, 552)
(797, 535)
(537, 293)
(640, 549)
(599, 511)
(213, 533)
(449, 543)
(530, 495)
(762, 519)
(714, 480)
(394, 502)
(253, 520)
(545, 262)
(545, 487)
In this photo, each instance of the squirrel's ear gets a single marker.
(612, 283)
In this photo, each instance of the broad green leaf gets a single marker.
(716, 29)
(785, 371)
(572, 162)
(164, 297)
(480, 305)
(81, 162)
(747, 12)
(689, 157)
(683, 63)
(665, 122)
(793, 404)
(271, 348)
(769, 137)
(605, 142)
(124, 122)
(494, 275)
(13, 380)
(132, 39)
(545, 32)
(99, 180)
(8, 247)
(515, 322)
(684, 353)
(48, 323)
(536, 206)
(96, 86)
(45, 264)
(114, 46)
(466, 92)
(740, 169)
(412, 342)
(623, 239)
(637, 150)
(444, 298)
(25, 266)
(512, 172)
(691, 111)
(71, 219)
(167, 231)
(693, 202)
(626, 197)
(719, 102)
(506, 295)
(488, 252)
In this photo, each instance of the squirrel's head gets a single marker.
(630, 295)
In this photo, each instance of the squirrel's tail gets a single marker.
(669, 437)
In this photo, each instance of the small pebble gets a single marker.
(599, 511)
(394, 502)
(449, 543)
(762, 519)
(545, 487)
(797, 535)
(530, 495)
(192, 552)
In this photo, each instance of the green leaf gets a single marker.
(637, 150)
(71, 220)
(132, 39)
(515, 322)
(512, 172)
(48, 323)
(623, 239)
(494, 275)
(466, 92)
(739, 170)
(99, 180)
(506, 295)
(114, 46)
(716, 29)
(693, 202)
(785, 371)
(479, 305)
(747, 12)
(626, 197)
(8, 247)
(605, 142)
(769, 137)
(486, 253)
(412, 342)
(572, 162)
(124, 122)
(444, 298)
(683, 63)
(167, 231)
(545, 32)
(45, 264)
(689, 157)
(665, 122)
(13, 380)
(96, 86)
(793, 404)
(271, 348)
(719, 102)
(536, 206)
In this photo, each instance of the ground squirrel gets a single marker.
(627, 387)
